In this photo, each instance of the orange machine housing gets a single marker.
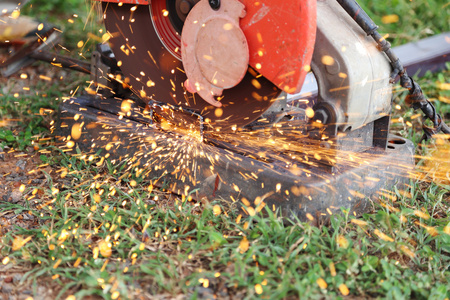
(280, 35)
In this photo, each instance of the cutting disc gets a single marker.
(146, 42)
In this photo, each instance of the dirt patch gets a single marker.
(19, 170)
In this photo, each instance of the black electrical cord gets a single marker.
(416, 98)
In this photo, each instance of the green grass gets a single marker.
(176, 247)
(25, 114)
(416, 19)
(77, 19)
(104, 231)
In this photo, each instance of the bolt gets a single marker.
(215, 4)
(185, 7)
(321, 115)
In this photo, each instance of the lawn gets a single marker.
(74, 227)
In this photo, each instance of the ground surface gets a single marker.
(18, 169)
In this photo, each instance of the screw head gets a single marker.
(321, 115)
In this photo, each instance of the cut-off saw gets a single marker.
(205, 99)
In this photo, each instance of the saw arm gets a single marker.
(147, 43)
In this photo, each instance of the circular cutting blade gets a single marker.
(149, 60)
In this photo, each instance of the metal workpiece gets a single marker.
(8, 6)
(180, 163)
(427, 55)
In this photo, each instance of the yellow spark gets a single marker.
(421, 214)
(76, 131)
(327, 60)
(228, 26)
(310, 217)
(278, 187)
(259, 37)
(238, 219)
(321, 283)
(243, 245)
(407, 251)
(342, 241)
(251, 211)
(359, 222)
(45, 77)
(217, 210)
(443, 86)
(256, 84)
(19, 242)
(383, 236)
(125, 106)
(106, 37)
(77, 262)
(309, 112)
(403, 219)
(15, 14)
(332, 269)
(218, 112)
(207, 57)
(258, 289)
(444, 99)
(57, 263)
(388, 19)
(344, 289)
(205, 283)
